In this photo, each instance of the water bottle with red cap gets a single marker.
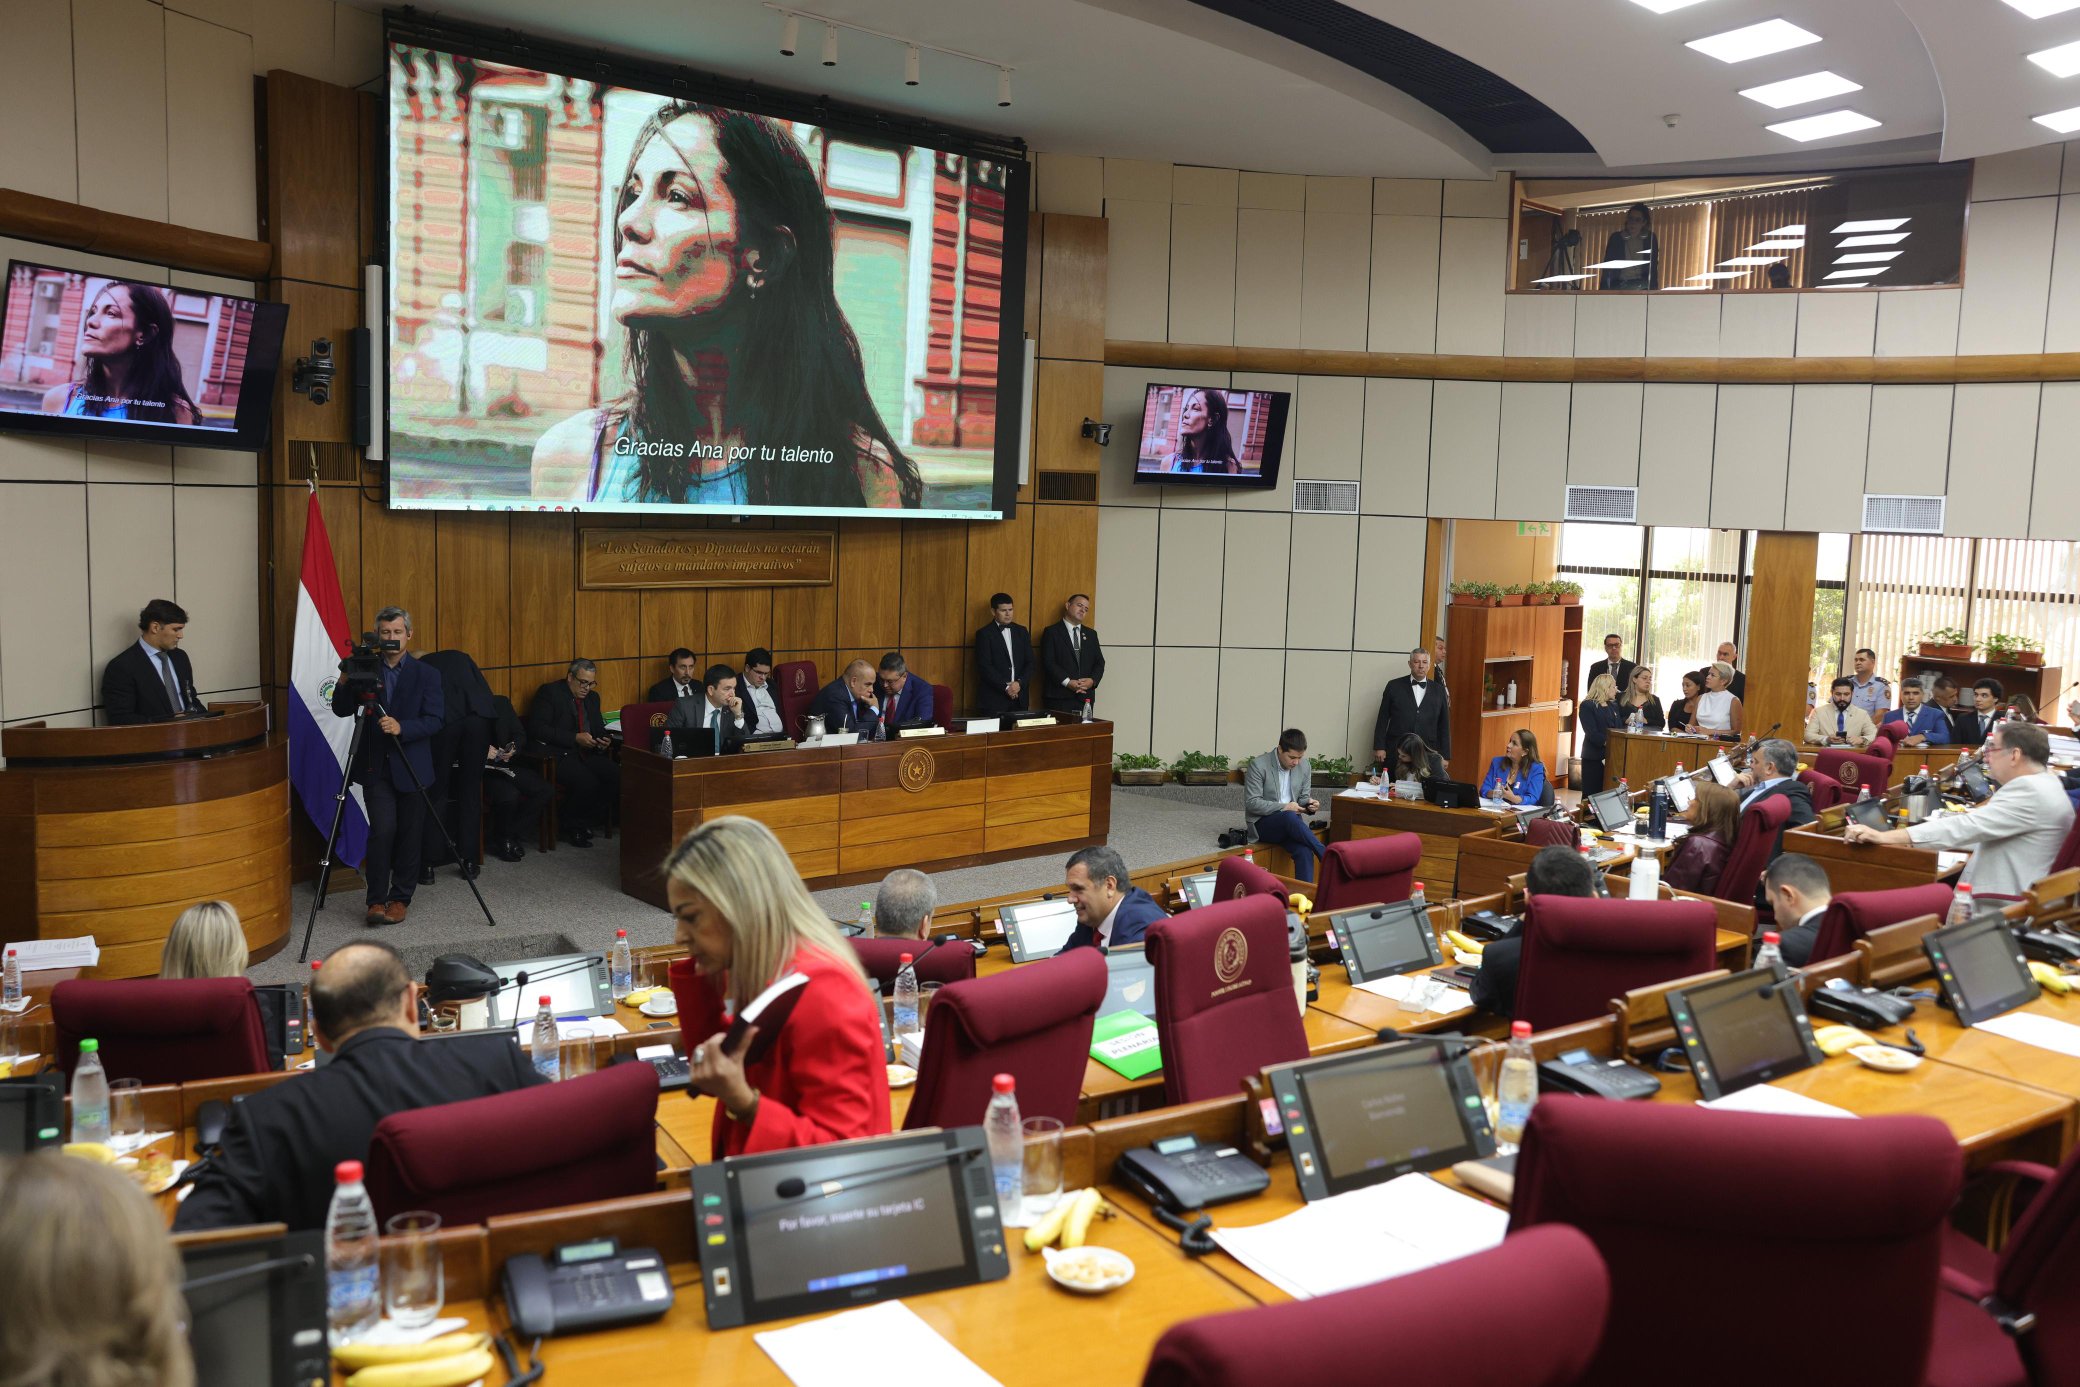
(546, 1053)
(353, 1273)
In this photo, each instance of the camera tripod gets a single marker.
(362, 713)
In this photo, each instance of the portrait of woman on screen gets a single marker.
(128, 370)
(1203, 441)
(746, 384)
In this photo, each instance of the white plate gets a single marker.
(1119, 1268)
(901, 1076)
(663, 1004)
(1884, 1057)
(1465, 959)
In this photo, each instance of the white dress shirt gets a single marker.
(1105, 925)
(762, 699)
(169, 675)
(1417, 688)
(1010, 655)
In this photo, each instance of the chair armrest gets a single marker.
(2022, 1170)
(1957, 1283)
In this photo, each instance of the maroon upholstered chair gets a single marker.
(1762, 825)
(1033, 1023)
(1826, 790)
(1852, 771)
(941, 963)
(161, 1030)
(1557, 1296)
(642, 724)
(795, 686)
(1982, 1338)
(1551, 833)
(1224, 996)
(1581, 953)
(1364, 870)
(1853, 914)
(942, 706)
(2068, 851)
(1724, 1204)
(1237, 877)
(1891, 737)
(534, 1148)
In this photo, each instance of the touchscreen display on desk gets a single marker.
(1743, 1030)
(886, 1221)
(1385, 940)
(1361, 1119)
(1037, 929)
(1980, 968)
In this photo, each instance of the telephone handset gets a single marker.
(1864, 1007)
(1181, 1173)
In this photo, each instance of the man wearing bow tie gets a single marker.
(1414, 703)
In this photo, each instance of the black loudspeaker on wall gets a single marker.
(359, 342)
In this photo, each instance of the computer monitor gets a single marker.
(1870, 813)
(1682, 792)
(1198, 889)
(256, 1310)
(1377, 941)
(1364, 1117)
(1613, 810)
(1037, 929)
(1130, 982)
(32, 1113)
(1980, 967)
(1743, 1030)
(1722, 770)
(1451, 794)
(575, 984)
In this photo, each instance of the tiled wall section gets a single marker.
(146, 109)
(1227, 616)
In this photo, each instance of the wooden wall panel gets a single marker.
(870, 582)
(315, 310)
(935, 583)
(673, 617)
(1065, 393)
(738, 620)
(1780, 632)
(805, 618)
(1072, 288)
(314, 214)
(474, 549)
(1065, 561)
(1000, 559)
(611, 624)
(398, 568)
(545, 586)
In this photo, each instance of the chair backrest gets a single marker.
(1892, 954)
(2068, 851)
(1362, 870)
(1853, 914)
(795, 686)
(1677, 1195)
(940, 963)
(1558, 1298)
(1852, 771)
(533, 1148)
(1754, 845)
(1033, 1023)
(1548, 833)
(162, 1030)
(942, 706)
(1224, 996)
(1237, 877)
(642, 724)
(2039, 1272)
(1891, 736)
(1827, 791)
(1582, 954)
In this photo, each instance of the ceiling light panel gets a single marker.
(1614, 264)
(1890, 238)
(1824, 126)
(1752, 260)
(1856, 257)
(1879, 224)
(1665, 6)
(1561, 279)
(2044, 9)
(2062, 61)
(1859, 272)
(1798, 230)
(1796, 91)
(1724, 274)
(1778, 245)
(2064, 122)
(1755, 41)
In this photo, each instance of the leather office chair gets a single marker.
(1720, 1206)
(1550, 833)
(2068, 851)
(642, 724)
(795, 686)
(162, 1030)
(1754, 845)
(1579, 954)
(534, 1148)
(1363, 870)
(1825, 790)
(1558, 1297)
(1984, 1337)
(1852, 771)
(1852, 915)
(940, 963)
(1237, 877)
(1891, 736)
(1224, 996)
(1033, 1023)
(942, 706)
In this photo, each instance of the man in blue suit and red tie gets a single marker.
(395, 758)
(906, 700)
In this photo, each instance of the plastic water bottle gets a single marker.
(1960, 907)
(623, 966)
(905, 1021)
(1416, 899)
(1086, 718)
(1007, 1147)
(1863, 794)
(1516, 1088)
(1509, 695)
(1769, 955)
(11, 981)
(664, 746)
(546, 1051)
(353, 1273)
(865, 919)
(90, 1095)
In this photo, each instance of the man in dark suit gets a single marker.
(1554, 871)
(152, 680)
(1613, 663)
(280, 1147)
(394, 763)
(458, 764)
(848, 703)
(1072, 662)
(565, 722)
(1414, 703)
(1003, 660)
(715, 709)
(517, 791)
(682, 680)
(906, 700)
(1969, 725)
(1773, 770)
(1730, 655)
(1110, 909)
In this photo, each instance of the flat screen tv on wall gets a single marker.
(1203, 435)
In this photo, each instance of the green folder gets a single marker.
(1125, 1043)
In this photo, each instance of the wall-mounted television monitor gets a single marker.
(98, 356)
(1205, 435)
(614, 290)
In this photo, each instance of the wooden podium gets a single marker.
(113, 831)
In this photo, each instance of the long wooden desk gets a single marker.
(850, 814)
(1364, 816)
(1865, 867)
(1641, 757)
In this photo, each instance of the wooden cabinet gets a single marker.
(1487, 648)
(2041, 685)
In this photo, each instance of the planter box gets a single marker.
(1512, 599)
(1569, 599)
(1208, 777)
(1144, 777)
(1466, 599)
(1332, 780)
(1962, 653)
(1538, 599)
(2022, 659)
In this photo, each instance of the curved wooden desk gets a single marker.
(113, 831)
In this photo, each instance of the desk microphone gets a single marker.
(1388, 1035)
(303, 1263)
(795, 1187)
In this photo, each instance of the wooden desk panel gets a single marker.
(1998, 1057)
(1652, 755)
(1361, 816)
(1864, 867)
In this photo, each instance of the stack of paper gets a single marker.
(33, 954)
(1770, 1098)
(1396, 987)
(1368, 1235)
(2044, 1032)
(884, 1345)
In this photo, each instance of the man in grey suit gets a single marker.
(1277, 798)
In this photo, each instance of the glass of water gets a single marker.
(1043, 1165)
(412, 1282)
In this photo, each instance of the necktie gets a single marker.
(1076, 641)
(715, 728)
(888, 712)
(173, 687)
(1841, 722)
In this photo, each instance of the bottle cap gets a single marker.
(1769, 936)
(1415, 888)
(88, 1047)
(316, 964)
(543, 1001)
(1519, 1028)
(1003, 1083)
(621, 934)
(10, 953)
(347, 1172)
(903, 960)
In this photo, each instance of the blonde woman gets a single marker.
(1717, 712)
(207, 942)
(746, 921)
(1599, 717)
(93, 1284)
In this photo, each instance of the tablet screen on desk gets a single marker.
(1743, 1030)
(1198, 890)
(1381, 940)
(1037, 929)
(1613, 810)
(1722, 770)
(1980, 967)
(1366, 1117)
(1130, 981)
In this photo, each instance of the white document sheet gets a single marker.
(34, 954)
(1368, 1235)
(1770, 1098)
(2044, 1032)
(571, 1030)
(884, 1345)
(1395, 987)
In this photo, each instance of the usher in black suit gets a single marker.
(134, 691)
(995, 667)
(1061, 658)
(1400, 714)
(458, 756)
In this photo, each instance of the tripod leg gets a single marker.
(339, 812)
(446, 837)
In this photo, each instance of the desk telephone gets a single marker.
(1863, 1007)
(1578, 1071)
(590, 1285)
(1181, 1173)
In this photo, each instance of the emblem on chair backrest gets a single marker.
(915, 771)
(1230, 955)
(801, 680)
(1239, 892)
(1848, 773)
(657, 717)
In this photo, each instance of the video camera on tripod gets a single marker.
(361, 673)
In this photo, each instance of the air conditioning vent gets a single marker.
(1603, 505)
(1068, 486)
(1903, 515)
(1325, 498)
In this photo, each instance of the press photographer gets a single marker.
(405, 707)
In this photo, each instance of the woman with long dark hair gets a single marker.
(126, 341)
(745, 380)
(1203, 441)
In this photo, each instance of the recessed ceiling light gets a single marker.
(1778, 245)
(1755, 41)
(1752, 260)
(1858, 273)
(1890, 238)
(1880, 224)
(1796, 91)
(2044, 9)
(2062, 61)
(1615, 264)
(1723, 274)
(1824, 126)
(1561, 279)
(1856, 257)
(2064, 122)
(1798, 230)
(1665, 6)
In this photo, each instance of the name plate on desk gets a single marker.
(1033, 720)
(705, 558)
(932, 731)
(976, 726)
(767, 744)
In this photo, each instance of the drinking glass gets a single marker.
(1043, 1165)
(125, 1111)
(412, 1282)
(579, 1056)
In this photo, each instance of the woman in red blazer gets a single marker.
(746, 920)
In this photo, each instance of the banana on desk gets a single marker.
(447, 1361)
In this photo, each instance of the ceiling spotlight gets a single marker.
(1824, 126)
(1664, 6)
(2044, 9)
(1755, 41)
(1796, 91)
(910, 66)
(2064, 122)
(790, 35)
(830, 45)
(1003, 86)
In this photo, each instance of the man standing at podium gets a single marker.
(152, 680)
(394, 759)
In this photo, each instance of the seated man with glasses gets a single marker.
(564, 722)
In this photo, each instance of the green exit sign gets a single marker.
(1534, 529)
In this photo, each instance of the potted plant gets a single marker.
(2004, 649)
(1200, 768)
(1476, 594)
(1513, 595)
(1331, 772)
(1565, 592)
(1945, 643)
(1133, 768)
(1538, 594)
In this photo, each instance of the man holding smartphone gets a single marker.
(1277, 800)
